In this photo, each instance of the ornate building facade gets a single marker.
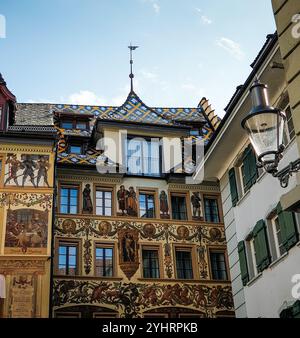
(27, 157)
(132, 237)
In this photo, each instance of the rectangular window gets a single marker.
(179, 210)
(243, 179)
(184, 265)
(218, 266)
(147, 205)
(69, 200)
(67, 125)
(150, 263)
(143, 156)
(104, 261)
(81, 125)
(289, 132)
(75, 149)
(103, 202)
(68, 259)
(280, 250)
(253, 257)
(211, 209)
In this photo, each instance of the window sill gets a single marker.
(278, 260)
(254, 279)
(243, 198)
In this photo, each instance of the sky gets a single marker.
(75, 51)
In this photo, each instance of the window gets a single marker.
(104, 261)
(243, 179)
(81, 125)
(68, 259)
(75, 149)
(280, 249)
(147, 205)
(179, 210)
(69, 200)
(218, 266)
(143, 156)
(67, 125)
(74, 124)
(253, 257)
(150, 263)
(184, 265)
(289, 130)
(211, 209)
(103, 202)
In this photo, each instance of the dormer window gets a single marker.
(75, 149)
(74, 124)
(67, 125)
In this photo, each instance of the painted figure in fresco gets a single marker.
(29, 166)
(14, 166)
(87, 200)
(196, 202)
(43, 166)
(164, 207)
(122, 196)
(131, 202)
(128, 248)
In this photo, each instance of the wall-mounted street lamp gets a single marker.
(265, 125)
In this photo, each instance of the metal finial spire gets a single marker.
(131, 76)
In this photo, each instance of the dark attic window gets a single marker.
(195, 132)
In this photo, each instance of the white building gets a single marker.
(263, 247)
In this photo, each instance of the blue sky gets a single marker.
(75, 51)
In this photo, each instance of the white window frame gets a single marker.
(253, 257)
(286, 128)
(275, 236)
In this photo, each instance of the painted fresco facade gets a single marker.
(123, 243)
(26, 202)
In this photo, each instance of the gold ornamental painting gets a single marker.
(24, 170)
(26, 232)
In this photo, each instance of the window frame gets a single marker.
(74, 122)
(275, 233)
(75, 144)
(69, 186)
(114, 257)
(68, 242)
(218, 250)
(154, 193)
(185, 195)
(147, 139)
(191, 249)
(287, 131)
(219, 206)
(104, 190)
(157, 248)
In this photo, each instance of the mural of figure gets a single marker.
(28, 165)
(122, 196)
(131, 202)
(13, 170)
(43, 167)
(164, 207)
(87, 205)
(196, 202)
(129, 248)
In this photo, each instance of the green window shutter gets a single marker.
(233, 187)
(263, 258)
(243, 262)
(296, 309)
(250, 168)
(288, 228)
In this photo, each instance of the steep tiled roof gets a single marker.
(133, 110)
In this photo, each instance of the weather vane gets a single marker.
(131, 48)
